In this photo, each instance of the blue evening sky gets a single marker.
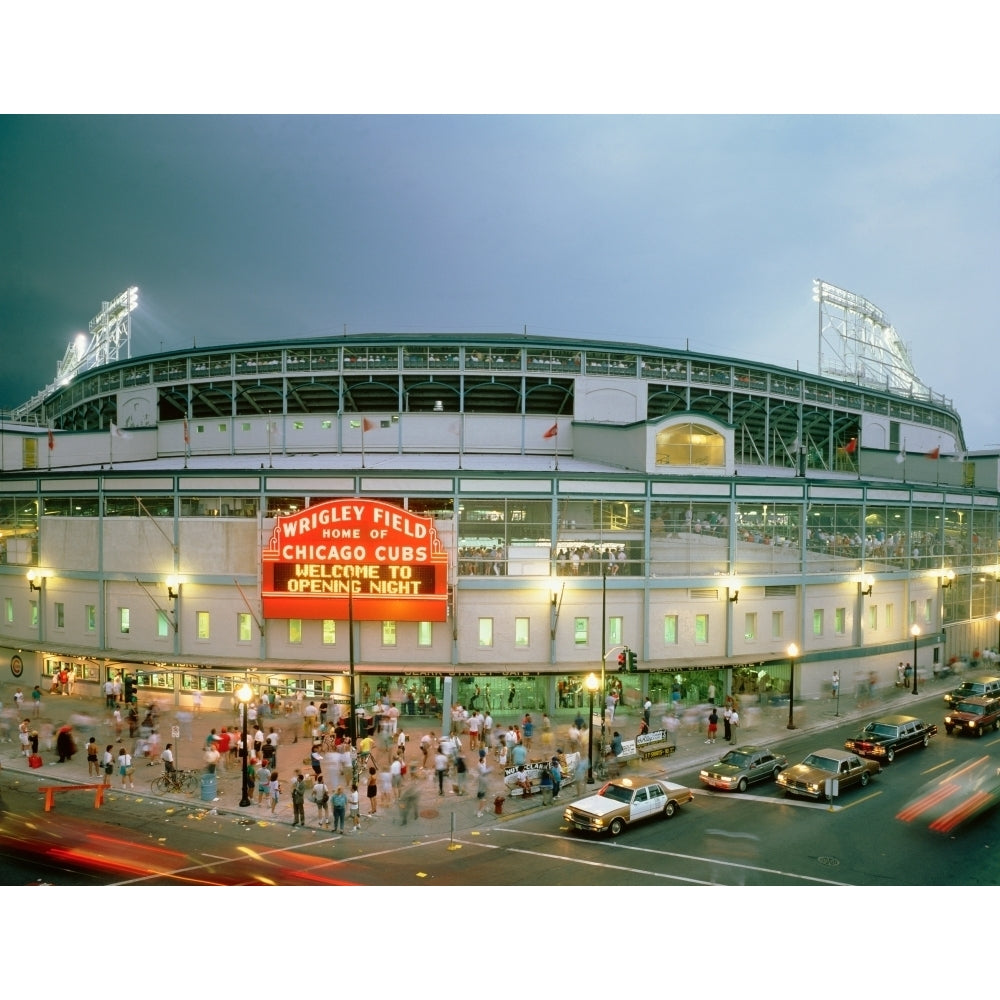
(702, 229)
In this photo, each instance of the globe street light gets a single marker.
(793, 651)
(592, 684)
(244, 694)
(915, 631)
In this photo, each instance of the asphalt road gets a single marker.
(758, 838)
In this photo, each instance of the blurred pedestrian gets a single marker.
(482, 784)
(372, 792)
(734, 724)
(93, 764)
(274, 790)
(727, 724)
(410, 800)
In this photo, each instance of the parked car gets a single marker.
(741, 767)
(624, 801)
(956, 797)
(809, 778)
(973, 715)
(883, 738)
(975, 687)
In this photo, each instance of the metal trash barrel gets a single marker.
(208, 788)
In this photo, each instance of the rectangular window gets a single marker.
(777, 624)
(750, 626)
(162, 624)
(839, 620)
(8, 610)
(203, 620)
(245, 426)
(329, 632)
(388, 633)
(888, 618)
(818, 621)
(522, 632)
(34, 614)
(298, 425)
(913, 613)
(615, 630)
(60, 610)
(701, 629)
(485, 632)
(425, 633)
(295, 631)
(670, 630)
(124, 621)
(90, 617)
(244, 628)
(872, 617)
(928, 610)
(581, 631)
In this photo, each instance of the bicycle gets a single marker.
(186, 782)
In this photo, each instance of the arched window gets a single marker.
(690, 444)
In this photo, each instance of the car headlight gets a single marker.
(947, 719)
(971, 724)
(703, 774)
(813, 787)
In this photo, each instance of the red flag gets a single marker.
(52, 440)
(187, 432)
(852, 446)
(552, 431)
(367, 425)
(936, 453)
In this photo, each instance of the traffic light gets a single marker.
(622, 659)
(632, 668)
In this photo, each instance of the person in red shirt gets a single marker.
(224, 745)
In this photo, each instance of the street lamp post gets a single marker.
(244, 694)
(592, 684)
(915, 631)
(997, 616)
(793, 651)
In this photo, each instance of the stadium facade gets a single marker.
(445, 515)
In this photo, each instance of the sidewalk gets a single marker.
(437, 815)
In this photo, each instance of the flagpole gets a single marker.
(555, 439)
(362, 442)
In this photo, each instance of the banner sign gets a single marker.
(354, 558)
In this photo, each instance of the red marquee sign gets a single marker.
(355, 558)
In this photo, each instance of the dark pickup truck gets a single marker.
(885, 737)
(974, 715)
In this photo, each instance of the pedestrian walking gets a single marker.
(107, 765)
(274, 790)
(440, 768)
(713, 725)
(372, 792)
(556, 771)
(298, 800)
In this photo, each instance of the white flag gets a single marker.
(117, 432)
